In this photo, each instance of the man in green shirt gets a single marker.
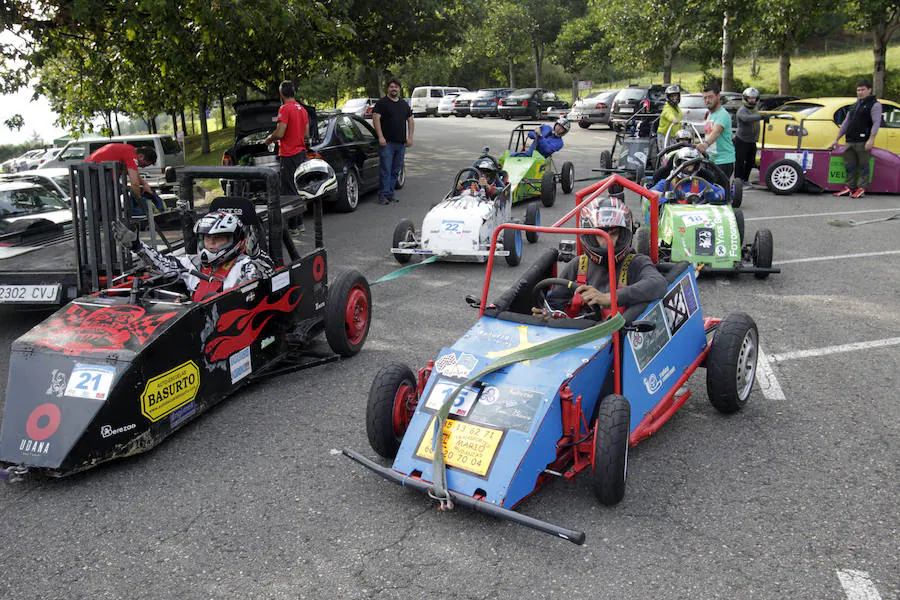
(717, 129)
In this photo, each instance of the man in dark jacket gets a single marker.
(860, 128)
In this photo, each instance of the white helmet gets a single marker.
(671, 92)
(314, 178)
(220, 223)
(684, 135)
(750, 93)
(564, 123)
(683, 156)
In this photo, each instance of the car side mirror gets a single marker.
(171, 175)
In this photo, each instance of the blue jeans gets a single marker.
(391, 162)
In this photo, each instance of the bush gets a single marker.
(833, 84)
(708, 79)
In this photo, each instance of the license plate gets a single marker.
(511, 103)
(35, 294)
(626, 110)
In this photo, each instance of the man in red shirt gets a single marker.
(292, 130)
(132, 159)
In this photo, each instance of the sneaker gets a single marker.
(844, 192)
(393, 198)
(858, 193)
(383, 200)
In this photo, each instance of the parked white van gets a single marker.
(168, 154)
(425, 99)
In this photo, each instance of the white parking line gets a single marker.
(834, 257)
(833, 349)
(825, 214)
(766, 379)
(857, 585)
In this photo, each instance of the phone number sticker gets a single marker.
(467, 447)
(90, 381)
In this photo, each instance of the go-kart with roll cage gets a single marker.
(520, 400)
(119, 370)
(711, 236)
(533, 177)
(634, 149)
(460, 226)
(788, 170)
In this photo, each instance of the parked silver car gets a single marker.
(445, 106)
(595, 108)
(361, 107)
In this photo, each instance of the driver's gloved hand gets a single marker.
(125, 237)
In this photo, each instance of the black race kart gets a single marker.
(117, 371)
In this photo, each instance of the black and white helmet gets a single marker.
(314, 178)
(487, 166)
(564, 123)
(673, 94)
(220, 223)
(686, 155)
(606, 213)
(751, 93)
(684, 135)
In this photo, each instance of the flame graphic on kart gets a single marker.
(249, 323)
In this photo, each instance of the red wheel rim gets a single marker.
(356, 315)
(404, 406)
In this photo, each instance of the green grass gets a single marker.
(219, 141)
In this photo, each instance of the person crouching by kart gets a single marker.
(547, 140)
(695, 180)
(489, 177)
(222, 258)
(638, 280)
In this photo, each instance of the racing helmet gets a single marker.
(564, 123)
(671, 92)
(683, 135)
(486, 166)
(683, 156)
(218, 223)
(751, 93)
(314, 178)
(606, 213)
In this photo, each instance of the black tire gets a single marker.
(731, 364)
(763, 249)
(641, 243)
(611, 449)
(506, 116)
(584, 124)
(739, 218)
(737, 193)
(532, 217)
(348, 192)
(512, 242)
(784, 177)
(639, 175)
(548, 189)
(403, 232)
(606, 161)
(401, 177)
(567, 177)
(385, 426)
(348, 313)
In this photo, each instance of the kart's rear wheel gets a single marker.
(739, 219)
(762, 251)
(392, 402)
(348, 192)
(512, 242)
(606, 161)
(348, 313)
(610, 465)
(642, 240)
(567, 177)
(784, 177)
(737, 193)
(548, 189)
(731, 364)
(403, 232)
(532, 217)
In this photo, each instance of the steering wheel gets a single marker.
(539, 297)
(691, 197)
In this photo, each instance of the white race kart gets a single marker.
(459, 227)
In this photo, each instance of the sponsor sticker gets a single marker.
(170, 391)
(281, 280)
(267, 342)
(451, 365)
(467, 447)
(677, 308)
(90, 381)
(239, 364)
(57, 384)
(704, 241)
(653, 382)
(182, 414)
(108, 431)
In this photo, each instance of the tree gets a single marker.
(496, 38)
(15, 122)
(882, 19)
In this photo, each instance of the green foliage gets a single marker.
(836, 84)
(16, 122)
(8, 151)
(707, 78)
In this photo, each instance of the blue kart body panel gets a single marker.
(504, 430)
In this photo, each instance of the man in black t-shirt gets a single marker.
(391, 117)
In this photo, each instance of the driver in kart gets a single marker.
(547, 140)
(691, 177)
(638, 280)
(489, 177)
(222, 258)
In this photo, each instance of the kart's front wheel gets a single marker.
(642, 240)
(348, 313)
(610, 466)
(548, 189)
(532, 217)
(731, 364)
(512, 242)
(737, 193)
(403, 232)
(739, 219)
(606, 161)
(392, 402)
(763, 248)
(567, 177)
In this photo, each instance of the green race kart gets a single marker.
(533, 177)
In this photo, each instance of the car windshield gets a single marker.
(804, 108)
(486, 94)
(522, 94)
(631, 94)
(355, 102)
(19, 199)
(692, 102)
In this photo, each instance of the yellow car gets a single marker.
(818, 121)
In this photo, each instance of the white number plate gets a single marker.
(626, 110)
(29, 293)
(90, 381)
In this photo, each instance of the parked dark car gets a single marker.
(345, 141)
(462, 104)
(485, 102)
(630, 99)
(529, 102)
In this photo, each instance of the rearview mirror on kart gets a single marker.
(640, 326)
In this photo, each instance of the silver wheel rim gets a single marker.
(784, 177)
(746, 364)
(401, 178)
(352, 190)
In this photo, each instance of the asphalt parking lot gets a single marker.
(794, 497)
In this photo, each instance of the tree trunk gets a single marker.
(727, 56)
(183, 124)
(512, 72)
(174, 124)
(754, 61)
(538, 62)
(118, 127)
(784, 66)
(242, 93)
(222, 110)
(668, 53)
(881, 36)
(204, 132)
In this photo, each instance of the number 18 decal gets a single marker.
(90, 381)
